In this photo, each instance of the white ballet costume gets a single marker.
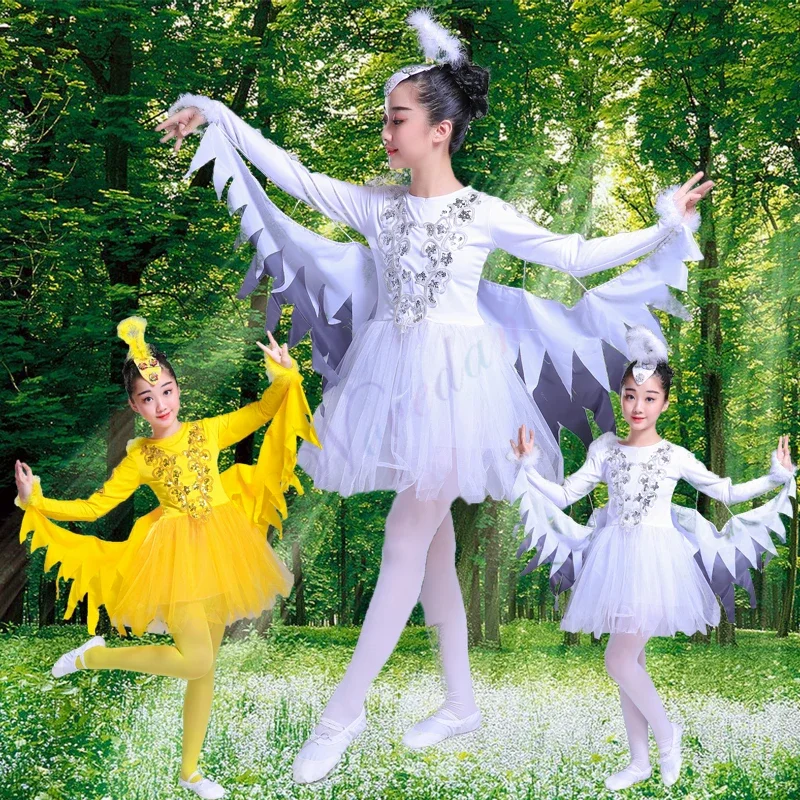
(427, 397)
(635, 572)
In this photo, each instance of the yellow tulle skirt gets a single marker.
(223, 562)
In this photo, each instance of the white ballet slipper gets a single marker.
(323, 751)
(440, 726)
(671, 762)
(66, 664)
(205, 787)
(627, 777)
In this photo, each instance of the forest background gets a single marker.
(594, 106)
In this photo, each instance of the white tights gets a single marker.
(641, 705)
(418, 564)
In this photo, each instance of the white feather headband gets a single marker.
(437, 44)
(646, 351)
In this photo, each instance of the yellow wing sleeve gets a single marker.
(233, 427)
(119, 487)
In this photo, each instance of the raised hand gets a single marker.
(181, 124)
(524, 445)
(24, 479)
(278, 353)
(689, 195)
(784, 456)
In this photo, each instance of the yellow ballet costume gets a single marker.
(203, 552)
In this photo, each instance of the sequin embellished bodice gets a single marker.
(430, 254)
(640, 485)
(184, 476)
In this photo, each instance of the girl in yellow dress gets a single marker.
(200, 560)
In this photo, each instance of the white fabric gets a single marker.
(205, 787)
(623, 666)
(410, 529)
(636, 728)
(444, 609)
(67, 664)
(627, 777)
(639, 575)
(323, 750)
(441, 725)
(671, 758)
(414, 407)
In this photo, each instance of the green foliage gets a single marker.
(552, 726)
(594, 106)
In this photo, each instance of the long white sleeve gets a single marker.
(577, 485)
(572, 253)
(704, 480)
(338, 200)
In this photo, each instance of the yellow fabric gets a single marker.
(197, 711)
(205, 542)
(193, 658)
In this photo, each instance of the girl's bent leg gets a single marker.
(191, 657)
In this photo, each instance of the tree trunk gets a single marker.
(787, 607)
(121, 269)
(343, 615)
(467, 546)
(251, 375)
(491, 583)
(785, 621)
(711, 337)
(299, 585)
(474, 627)
(512, 595)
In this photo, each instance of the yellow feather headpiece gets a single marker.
(131, 331)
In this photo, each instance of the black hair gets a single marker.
(130, 371)
(459, 94)
(664, 372)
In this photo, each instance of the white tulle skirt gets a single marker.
(437, 403)
(644, 581)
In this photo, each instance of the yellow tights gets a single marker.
(192, 659)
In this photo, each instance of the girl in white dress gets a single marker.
(634, 569)
(425, 398)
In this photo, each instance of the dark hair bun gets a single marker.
(474, 82)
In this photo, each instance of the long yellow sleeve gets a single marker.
(233, 427)
(119, 487)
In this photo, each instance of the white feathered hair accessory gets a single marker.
(437, 44)
(646, 351)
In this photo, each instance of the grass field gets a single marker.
(552, 725)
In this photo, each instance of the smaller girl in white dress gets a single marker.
(634, 567)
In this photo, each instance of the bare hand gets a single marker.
(24, 478)
(278, 353)
(181, 124)
(688, 196)
(784, 456)
(524, 445)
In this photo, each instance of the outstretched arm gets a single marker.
(118, 488)
(577, 485)
(338, 200)
(283, 373)
(724, 489)
(572, 253)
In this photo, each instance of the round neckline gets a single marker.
(438, 196)
(167, 438)
(640, 446)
